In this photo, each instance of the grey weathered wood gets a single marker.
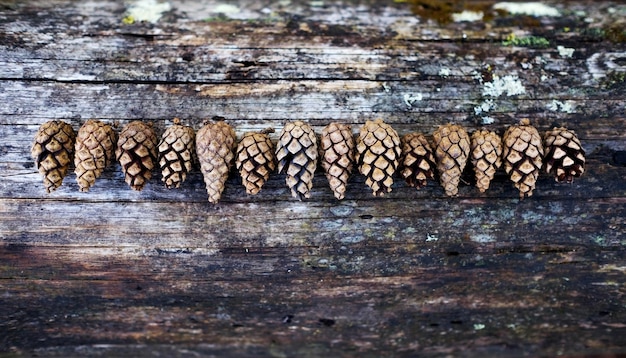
(119, 272)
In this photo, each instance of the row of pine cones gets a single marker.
(378, 152)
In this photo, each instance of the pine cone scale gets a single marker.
(137, 153)
(378, 147)
(452, 147)
(215, 143)
(53, 152)
(522, 156)
(297, 154)
(176, 154)
(255, 160)
(565, 157)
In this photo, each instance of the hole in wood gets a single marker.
(327, 321)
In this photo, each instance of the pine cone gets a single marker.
(95, 147)
(452, 147)
(296, 153)
(378, 147)
(565, 157)
(337, 153)
(522, 156)
(255, 160)
(486, 157)
(53, 151)
(215, 143)
(177, 152)
(136, 152)
(418, 161)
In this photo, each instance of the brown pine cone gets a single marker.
(522, 156)
(565, 157)
(53, 151)
(418, 161)
(337, 154)
(95, 148)
(255, 160)
(486, 157)
(215, 143)
(137, 152)
(452, 147)
(177, 152)
(378, 148)
(296, 153)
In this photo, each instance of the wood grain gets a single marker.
(118, 272)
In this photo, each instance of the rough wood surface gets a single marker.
(119, 272)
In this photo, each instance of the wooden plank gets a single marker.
(118, 272)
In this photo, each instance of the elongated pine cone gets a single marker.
(522, 156)
(177, 152)
(418, 161)
(378, 148)
(337, 155)
(53, 151)
(215, 143)
(137, 153)
(255, 160)
(565, 157)
(95, 148)
(452, 148)
(486, 157)
(296, 153)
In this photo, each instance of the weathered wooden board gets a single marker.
(119, 272)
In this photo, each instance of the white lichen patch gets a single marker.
(565, 52)
(565, 107)
(510, 84)
(444, 72)
(146, 10)
(527, 8)
(467, 16)
(431, 238)
(410, 98)
(482, 238)
(487, 120)
(225, 9)
(484, 107)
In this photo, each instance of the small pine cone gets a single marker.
(177, 152)
(486, 157)
(53, 151)
(255, 160)
(452, 148)
(137, 152)
(95, 148)
(378, 148)
(337, 155)
(215, 143)
(418, 161)
(565, 157)
(522, 156)
(296, 153)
